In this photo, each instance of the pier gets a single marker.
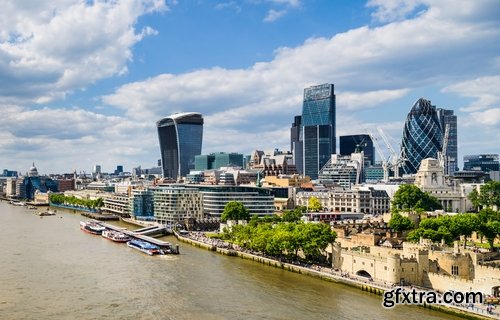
(142, 236)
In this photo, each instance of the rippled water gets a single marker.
(50, 269)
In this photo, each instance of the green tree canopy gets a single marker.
(291, 215)
(410, 197)
(400, 223)
(489, 194)
(235, 210)
(314, 204)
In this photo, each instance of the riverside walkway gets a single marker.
(366, 284)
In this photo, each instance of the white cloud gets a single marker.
(273, 15)
(392, 10)
(50, 48)
(485, 91)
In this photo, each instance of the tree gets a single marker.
(291, 215)
(489, 194)
(235, 210)
(410, 197)
(489, 225)
(400, 223)
(474, 198)
(314, 204)
(465, 224)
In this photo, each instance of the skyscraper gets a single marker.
(317, 128)
(447, 118)
(296, 143)
(422, 135)
(350, 144)
(180, 138)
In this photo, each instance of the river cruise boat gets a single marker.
(115, 236)
(145, 247)
(91, 227)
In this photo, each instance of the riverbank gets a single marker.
(370, 286)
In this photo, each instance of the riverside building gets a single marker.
(258, 201)
(174, 203)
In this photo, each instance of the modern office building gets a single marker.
(96, 169)
(357, 143)
(481, 162)
(141, 204)
(218, 160)
(448, 119)
(422, 135)
(180, 137)
(296, 144)
(173, 204)
(317, 138)
(258, 201)
(345, 171)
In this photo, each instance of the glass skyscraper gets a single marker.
(447, 118)
(317, 129)
(180, 138)
(357, 142)
(422, 135)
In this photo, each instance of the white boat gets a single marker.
(91, 227)
(115, 236)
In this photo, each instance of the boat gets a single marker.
(115, 236)
(17, 203)
(144, 246)
(91, 227)
(46, 213)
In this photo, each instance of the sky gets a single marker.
(83, 82)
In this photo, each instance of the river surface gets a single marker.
(50, 269)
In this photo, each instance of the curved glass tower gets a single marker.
(180, 137)
(422, 135)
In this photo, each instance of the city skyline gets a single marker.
(83, 83)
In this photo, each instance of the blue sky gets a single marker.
(83, 82)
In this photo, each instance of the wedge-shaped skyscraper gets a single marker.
(181, 136)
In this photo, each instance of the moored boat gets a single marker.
(46, 213)
(115, 236)
(144, 246)
(91, 227)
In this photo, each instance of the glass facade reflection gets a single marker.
(317, 128)
(180, 138)
(422, 135)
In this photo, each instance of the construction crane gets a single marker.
(442, 155)
(385, 162)
(396, 161)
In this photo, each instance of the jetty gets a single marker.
(164, 245)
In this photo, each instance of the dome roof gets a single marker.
(33, 172)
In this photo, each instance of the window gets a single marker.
(454, 270)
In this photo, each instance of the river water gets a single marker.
(50, 269)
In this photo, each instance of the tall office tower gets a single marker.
(296, 144)
(180, 138)
(357, 142)
(447, 118)
(317, 128)
(422, 135)
(96, 170)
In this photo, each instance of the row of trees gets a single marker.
(76, 202)
(448, 228)
(486, 223)
(284, 236)
(283, 239)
